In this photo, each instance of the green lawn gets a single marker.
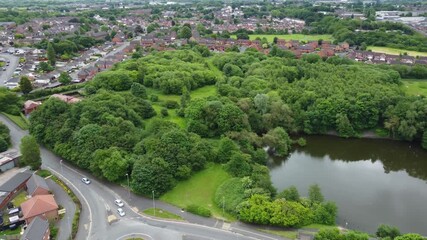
(415, 87)
(286, 234)
(20, 120)
(318, 226)
(203, 92)
(395, 51)
(19, 199)
(11, 232)
(299, 37)
(199, 190)
(160, 213)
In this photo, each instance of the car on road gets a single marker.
(119, 202)
(121, 212)
(86, 181)
(4, 69)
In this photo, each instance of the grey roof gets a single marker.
(35, 182)
(15, 181)
(36, 229)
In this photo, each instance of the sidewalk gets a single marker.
(64, 225)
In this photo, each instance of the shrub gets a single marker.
(164, 112)
(301, 142)
(199, 210)
(171, 104)
(154, 98)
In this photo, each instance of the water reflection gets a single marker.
(372, 181)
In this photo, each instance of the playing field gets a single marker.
(415, 87)
(395, 51)
(299, 37)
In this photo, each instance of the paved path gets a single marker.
(62, 198)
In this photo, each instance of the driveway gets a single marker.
(6, 75)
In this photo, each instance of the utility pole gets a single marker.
(127, 175)
(154, 205)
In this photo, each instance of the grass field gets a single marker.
(286, 234)
(199, 190)
(160, 213)
(19, 199)
(173, 117)
(318, 226)
(395, 51)
(20, 120)
(299, 37)
(415, 87)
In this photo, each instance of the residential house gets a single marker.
(9, 159)
(36, 185)
(30, 106)
(65, 98)
(9, 189)
(43, 206)
(37, 230)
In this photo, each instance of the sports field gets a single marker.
(395, 51)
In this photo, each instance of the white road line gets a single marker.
(81, 194)
(264, 236)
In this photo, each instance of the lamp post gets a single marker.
(127, 176)
(62, 170)
(154, 204)
(223, 204)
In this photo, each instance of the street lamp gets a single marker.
(154, 204)
(127, 175)
(62, 170)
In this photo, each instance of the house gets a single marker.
(37, 230)
(36, 185)
(9, 189)
(43, 206)
(30, 106)
(9, 159)
(65, 98)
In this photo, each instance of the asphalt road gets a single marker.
(98, 198)
(6, 75)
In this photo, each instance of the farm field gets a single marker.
(395, 51)
(299, 37)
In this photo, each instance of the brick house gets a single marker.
(37, 230)
(36, 185)
(43, 206)
(30, 106)
(14, 185)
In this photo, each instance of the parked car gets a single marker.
(86, 181)
(121, 212)
(119, 202)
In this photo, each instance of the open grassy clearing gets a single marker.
(160, 213)
(395, 51)
(299, 37)
(318, 226)
(415, 87)
(200, 190)
(20, 120)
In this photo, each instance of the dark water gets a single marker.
(372, 181)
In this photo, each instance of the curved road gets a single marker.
(6, 75)
(97, 204)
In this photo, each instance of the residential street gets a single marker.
(6, 75)
(98, 198)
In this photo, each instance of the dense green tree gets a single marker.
(5, 133)
(344, 127)
(314, 194)
(64, 78)
(226, 149)
(424, 140)
(184, 32)
(239, 165)
(384, 231)
(3, 145)
(51, 55)
(151, 175)
(289, 194)
(278, 140)
(138, 90)
(410, 236)
(25, 85)
(30, 153)
(9, 102)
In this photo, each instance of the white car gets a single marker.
(86, 181)
(119, 202)
(121, 212)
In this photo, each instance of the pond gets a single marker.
(372, 181)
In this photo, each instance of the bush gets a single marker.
(164, 112)
(154, 98)
(301, 142)
(199, 210)
(3, 145)
(384, 231)
(170, 104)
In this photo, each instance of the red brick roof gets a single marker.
(38, 205)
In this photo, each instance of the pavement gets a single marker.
(6, 75)
(62, 198)
(97, 201)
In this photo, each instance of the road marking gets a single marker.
(226, 226)
(264, 236)
(134, 235)
(87, 203)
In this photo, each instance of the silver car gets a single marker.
(119, 202)
(121, 212)
(86, 181)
